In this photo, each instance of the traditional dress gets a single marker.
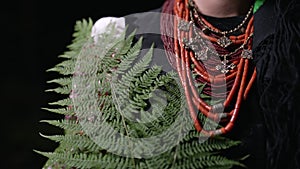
(267, 122)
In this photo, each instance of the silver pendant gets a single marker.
(224, 41)
(190, 44)
(224, 67)
(202, 54)
(247, 54)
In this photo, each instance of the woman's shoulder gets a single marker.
(142, 22)
(101, 24)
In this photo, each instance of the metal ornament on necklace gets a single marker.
(198, 46)
(225, 66)
(194, 44)
(224, 41)
(201, 49)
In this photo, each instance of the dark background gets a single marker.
(34, 33)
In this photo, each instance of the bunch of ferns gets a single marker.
(121, 113)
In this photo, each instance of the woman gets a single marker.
(255, 47)
(237, 63)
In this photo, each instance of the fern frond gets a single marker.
(137, 69)
(129, 57)
(127, 44)
(61, 90)
(82, 33)
(82, 143)
(63, 111)
(62, 160)
(63, 102)
(65, 68)
(69, 125)
(62, 81)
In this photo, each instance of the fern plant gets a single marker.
(121, 113)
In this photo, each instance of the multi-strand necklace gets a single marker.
(219, 59)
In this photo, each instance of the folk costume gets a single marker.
(249, 64)
(241, 72)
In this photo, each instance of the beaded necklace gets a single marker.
(215, 58)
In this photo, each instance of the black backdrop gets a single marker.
(34, 33)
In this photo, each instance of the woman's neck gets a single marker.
(223, 8)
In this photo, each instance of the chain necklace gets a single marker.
(202, 52)
(224, 41)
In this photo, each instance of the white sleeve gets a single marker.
(100, 25)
